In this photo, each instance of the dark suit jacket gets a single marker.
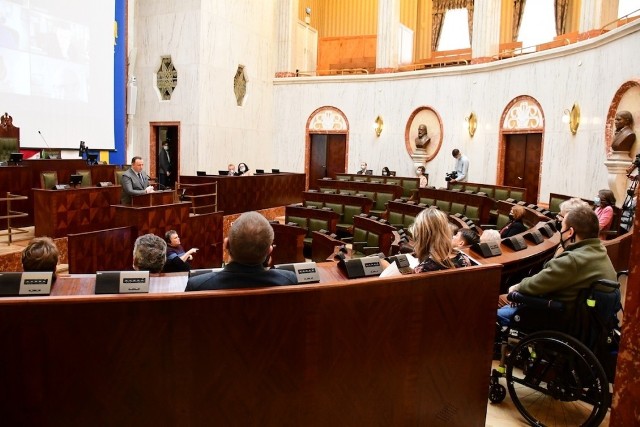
(164, 165)
(131, 186)
(512, 228)
(237, 276)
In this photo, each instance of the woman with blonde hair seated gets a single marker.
(433, 246)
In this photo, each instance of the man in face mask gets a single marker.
(583, 261)
(165, 177)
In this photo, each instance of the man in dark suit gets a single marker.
(165, 179)
(135, 182)
(249, 245)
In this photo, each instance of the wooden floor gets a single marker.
(503, 414)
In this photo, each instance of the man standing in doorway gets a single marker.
(165, 179)
(462, 166)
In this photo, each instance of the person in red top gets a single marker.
(604, 202)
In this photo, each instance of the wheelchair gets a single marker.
(561, 374)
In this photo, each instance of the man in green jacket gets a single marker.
(583, 261)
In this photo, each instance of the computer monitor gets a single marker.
(15, 158)
(201, 173)
(92, 159)
(275, 170)
(75, 179)
(223, 172)
(369, 172)
(392, 173)
(259, 171)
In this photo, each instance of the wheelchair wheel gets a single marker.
(497, 393)
(554, 379)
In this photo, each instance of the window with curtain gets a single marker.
(538, 23)
(455, 30)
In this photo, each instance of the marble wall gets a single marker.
(208, 40)
(589, 73)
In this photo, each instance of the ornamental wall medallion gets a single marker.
(240, 85)
(167, 78)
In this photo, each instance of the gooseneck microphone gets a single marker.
(45, 141)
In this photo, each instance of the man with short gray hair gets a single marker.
(250, 243)
(149, 253)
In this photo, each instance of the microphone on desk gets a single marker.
(45, 141)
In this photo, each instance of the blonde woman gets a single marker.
(433, 246)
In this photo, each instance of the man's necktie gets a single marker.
(141, 181)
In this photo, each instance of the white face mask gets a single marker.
(596, 201)
(242, 169)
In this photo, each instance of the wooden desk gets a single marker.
(237, 194)
(26, 177)
(350, 353)
(289, 243)
(164, 197)
(152, 219)
(76, 210)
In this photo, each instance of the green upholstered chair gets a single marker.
(502, 220)
(408, 186)
(472, 212)
(457, 208)
(501, 194)
(427, 201)
(396, 218)
(518, 195)
(313, 203)
(48, 179)
(444, 205)
(86, 177)
(118, 176)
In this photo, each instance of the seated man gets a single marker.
(149, 253)
(465, 237)
(41, 254)
(249, 245)
(583, 261)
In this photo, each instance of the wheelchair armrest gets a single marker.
(605, 283)
(622, 273)
(535, 302)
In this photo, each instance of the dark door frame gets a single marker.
(152, 162)
(309, 132)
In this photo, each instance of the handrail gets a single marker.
(620, 19)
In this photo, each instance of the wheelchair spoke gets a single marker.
(554, 379)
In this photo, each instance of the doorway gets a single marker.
(161, 132)
(328, 156)
(522, 162)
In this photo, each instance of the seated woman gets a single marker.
(243, 169)
(420, 172)
(433, 247)
(177, 258)
(385, 171)
(515, 224)
(604, 202)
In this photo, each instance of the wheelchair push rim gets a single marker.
(554, 379)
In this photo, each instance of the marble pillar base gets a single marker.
(617, 166)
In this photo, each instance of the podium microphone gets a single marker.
(45, 141)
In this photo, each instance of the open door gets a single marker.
(328, 157)
(161, 132)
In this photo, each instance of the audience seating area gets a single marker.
(378, 192)
(311, 219)
(496, 192)
(408, 184)
(345, 205)
(474, 206)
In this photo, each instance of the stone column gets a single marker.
(485, 40)
(388, 35)
(617, 166)
(286, 17)
(595, 14)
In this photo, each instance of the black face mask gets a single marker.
(563, 242)
(511, 216)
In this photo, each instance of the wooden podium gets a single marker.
(156, 198)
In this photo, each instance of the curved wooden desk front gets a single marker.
(413, 350)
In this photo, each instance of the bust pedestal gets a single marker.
(419, 157)
(617, 166)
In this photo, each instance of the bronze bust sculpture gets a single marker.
(422, 139)
(624, 137)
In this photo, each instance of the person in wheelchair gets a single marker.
(583, 261)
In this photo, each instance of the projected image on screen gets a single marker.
(56, 71)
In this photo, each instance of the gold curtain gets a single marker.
(440, 7)
(518, 11)
(561, 8)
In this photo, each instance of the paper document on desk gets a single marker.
(393, 270)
